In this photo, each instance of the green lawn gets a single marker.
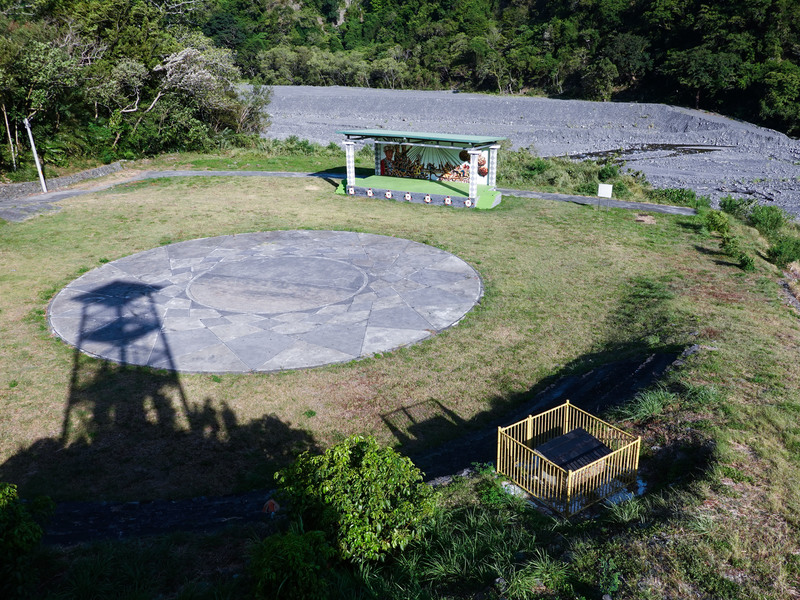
(567, 288)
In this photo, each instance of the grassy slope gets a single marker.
(563, 288)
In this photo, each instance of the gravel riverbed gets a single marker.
(672, 146)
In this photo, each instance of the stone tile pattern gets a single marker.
(265, 301)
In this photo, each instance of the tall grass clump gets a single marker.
(293, 145)
(523, 169)
(542, 571)
(678, 197)
(646, 405)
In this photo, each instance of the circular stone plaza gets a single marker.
(264, 301)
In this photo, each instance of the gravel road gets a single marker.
(674, 147)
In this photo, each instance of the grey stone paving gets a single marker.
(265, 301)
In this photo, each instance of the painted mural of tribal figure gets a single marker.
(387, 166)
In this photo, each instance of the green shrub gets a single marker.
(785, 249)
(588, 188)
(736, 207)
(674, 196)
(608, 171)
(610, 579)
(291, 565)
(490, 488)
(730, 244)
(746, 262)
(767, 219)
(621, 190)
(19, 535)
(369, 500)
(718, 221)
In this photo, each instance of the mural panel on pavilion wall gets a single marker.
(435, 164)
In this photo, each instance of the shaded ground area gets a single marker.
(594, 390)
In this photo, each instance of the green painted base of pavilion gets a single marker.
(417, 189)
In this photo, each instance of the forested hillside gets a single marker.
(125, 78)
(739, 56)
(115, 79)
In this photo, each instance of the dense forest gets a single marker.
(125, 78)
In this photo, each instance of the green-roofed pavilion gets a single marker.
(421, 137)
(445, 159)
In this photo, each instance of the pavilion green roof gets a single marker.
(421, 137)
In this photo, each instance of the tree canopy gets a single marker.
(117, 78)
(121, 78)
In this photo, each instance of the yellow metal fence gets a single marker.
(567, 492)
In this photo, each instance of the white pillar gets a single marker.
(350, 161)
(473, 175)
(35, 156)
(493, 165)
(377, 148)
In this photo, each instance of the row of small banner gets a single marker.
(407, 196)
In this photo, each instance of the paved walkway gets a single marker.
(19, 209)
(602, 202)
(265, 301)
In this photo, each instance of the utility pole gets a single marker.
(35, 156)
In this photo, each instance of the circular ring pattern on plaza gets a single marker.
(265, 301)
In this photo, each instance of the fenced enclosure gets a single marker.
(567, 458)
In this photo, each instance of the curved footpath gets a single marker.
(19, 209)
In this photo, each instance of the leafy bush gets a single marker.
(674, 196)
(733, 248)
(608, 171)
(19, 535)
(609, 576)
(621, 190)
(746, 262)
(590, 189)
(767, 219)
(718, 221)
(370, 500)
(730, 244)
(291, 565)
(784, 250)
(736, 207)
